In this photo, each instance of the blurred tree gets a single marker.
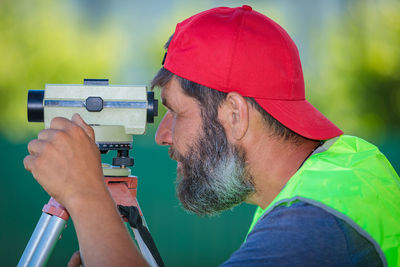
(45, 42)
(359, 69)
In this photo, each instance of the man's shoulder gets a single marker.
(303, 234)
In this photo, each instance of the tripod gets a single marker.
(123, 189)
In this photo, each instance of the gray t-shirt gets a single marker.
(304, 235)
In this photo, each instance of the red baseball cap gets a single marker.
(241, 50)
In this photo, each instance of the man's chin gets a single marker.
(179, 169)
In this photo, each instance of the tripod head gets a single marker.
(116, 112)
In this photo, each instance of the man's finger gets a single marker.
(46, 134)
(28, 162)
(77, 119)
(60, 123)
(75, 260)
(36, 146)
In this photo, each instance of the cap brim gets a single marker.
(301, 117)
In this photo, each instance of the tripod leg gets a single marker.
(48, 241)
(143, 248)
(135, 235)
(45, 235)
(35, 239)
(123, 191)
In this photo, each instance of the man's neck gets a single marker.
(272, 162)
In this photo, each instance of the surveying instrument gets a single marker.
(115, 112)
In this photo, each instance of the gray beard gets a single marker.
(212, 177)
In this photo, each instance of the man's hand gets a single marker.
(65, 160)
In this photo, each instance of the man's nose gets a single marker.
(164, 132)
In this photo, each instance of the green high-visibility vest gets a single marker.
(354, 181)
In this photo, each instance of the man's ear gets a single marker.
(234, 115)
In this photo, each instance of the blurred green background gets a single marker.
(351, 59)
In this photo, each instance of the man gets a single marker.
(241, 130)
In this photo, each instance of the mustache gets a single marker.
(175, 155)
